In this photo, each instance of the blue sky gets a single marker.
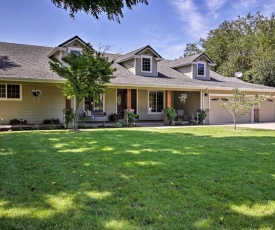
(166, 25)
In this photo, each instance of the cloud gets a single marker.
(214, 6)
(194, 23)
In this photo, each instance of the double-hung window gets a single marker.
(146, 64)
(156, 101)
(201, 69)
(10, 92)
(94, 104)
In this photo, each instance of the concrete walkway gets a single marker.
(260, 125)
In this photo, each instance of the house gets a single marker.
(144, 82)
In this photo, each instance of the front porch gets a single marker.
(147, 103)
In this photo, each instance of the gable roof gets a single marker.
(131, 54)
(71, 39)
(189, 60)
(19, 61)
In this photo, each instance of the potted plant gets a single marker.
(36, 92)
(169, 115)
(201, 117)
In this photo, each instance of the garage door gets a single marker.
(219, 115)
(267, 110)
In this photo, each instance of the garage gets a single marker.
(219, 115)
(267, 110)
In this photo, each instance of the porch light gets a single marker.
(206, 94)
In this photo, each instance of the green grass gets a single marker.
(138, 178)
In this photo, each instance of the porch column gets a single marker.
(168, 99)
(129, 106)
(207, 118)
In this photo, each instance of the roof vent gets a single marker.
(75, 44)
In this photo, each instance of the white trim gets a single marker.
(103, 101)
(252, 115)
(141, 63)
(204, 66)
(116, 100)
(135, 66)
(32, 80)
(11, 99)
(201, 100)
(152, 51)
(148, 100)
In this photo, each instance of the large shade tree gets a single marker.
(241, 45)
(86, 74)
(112, 8)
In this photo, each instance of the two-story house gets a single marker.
(144, 82)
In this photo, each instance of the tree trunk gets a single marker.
(235, 127)
(77, 103)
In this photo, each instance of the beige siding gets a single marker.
(130, 65)
(187, 70)
(154, 65)
(143, 107)
(51, 104)
(110, 101)
(192, 104)
(267, 110)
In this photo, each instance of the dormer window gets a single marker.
(146, 64)
(201, 69)
(75, 50)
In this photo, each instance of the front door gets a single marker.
(121, 102)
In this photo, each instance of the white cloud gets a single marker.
(214, 6)
(194, 23)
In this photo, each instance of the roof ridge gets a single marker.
(13, 43)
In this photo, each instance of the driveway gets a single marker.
(260, 125)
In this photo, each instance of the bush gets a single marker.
(16, 121)
(113, 117)
(51, 121)
(171, 114)
(69, 117)
(119, 124)
(132, 118)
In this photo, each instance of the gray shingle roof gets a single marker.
(135, 52)
(168, 77)
(19, 61)
(186, 60)
(25, 61)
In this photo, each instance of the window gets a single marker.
(201, 69)
(10, 91)
(146, 64)
(94, 104)
(156, 101)
(75, 50)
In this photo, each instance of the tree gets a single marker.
(240, 44)
(263, 70)
(191, 49)
(86, 74)
(113, 8)
(240, 104)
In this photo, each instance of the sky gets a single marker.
(166, 25)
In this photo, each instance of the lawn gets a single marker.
(138, 178)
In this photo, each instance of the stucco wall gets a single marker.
(51, 104)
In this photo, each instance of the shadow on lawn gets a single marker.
(121, 179)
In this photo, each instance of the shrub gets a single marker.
(113, 117)
(119, 124)
(51, 121)
(16, 121)
(171, 114)
(132, 118)
(69, 117)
